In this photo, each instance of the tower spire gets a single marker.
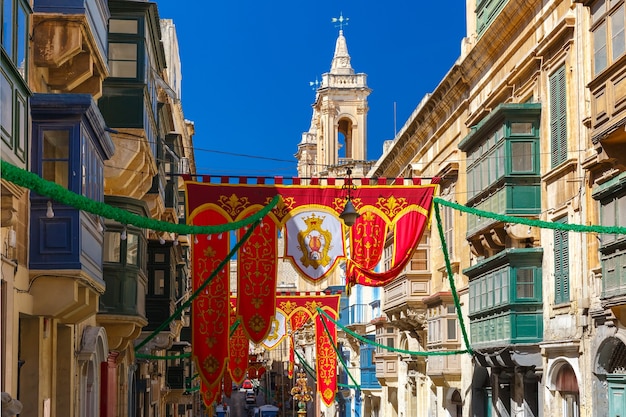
(341, 59)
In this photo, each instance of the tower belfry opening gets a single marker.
(337, 137)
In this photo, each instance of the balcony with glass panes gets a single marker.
(503, 173)
(122, 307)
(386, 361)
(505, 299)
(611, 196)
(403, 297)
(442, 334)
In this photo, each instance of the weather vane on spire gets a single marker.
(343, 21)
(314, 84)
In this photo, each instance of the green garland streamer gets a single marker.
(614, 230)
(339, 356)
(455, 295)
(408, 352)
(307, 368)
(58, 193)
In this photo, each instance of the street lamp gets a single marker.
(301, 393)
(349, 213)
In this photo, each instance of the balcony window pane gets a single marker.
(505, 285)
(521, 157)
(599, 48)
(390, 342)
(597, 10)
(123, 60)
(21, 40)
(491, 158)
(497, 297)
(500, 160)
(618, 42)
(6, 110)
(7, 27)
(607, 215)
(159, 282)
(525, 283)
(123, 51)
(122, 26)
(112, 243)
(521, 128)
(420, 260)
(451, 329)
(132, 249)
(621, 210)
(55, 163)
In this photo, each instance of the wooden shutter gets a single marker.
(561, 265)
(558, 117)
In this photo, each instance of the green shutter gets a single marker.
(558, 117)
(561, 265)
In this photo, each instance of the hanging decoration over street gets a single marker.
(326, 357)
(238, 349)
(309, 215)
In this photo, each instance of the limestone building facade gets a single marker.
(527, 123)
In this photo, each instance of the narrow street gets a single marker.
(238, 405)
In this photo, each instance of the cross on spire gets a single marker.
(343, 21)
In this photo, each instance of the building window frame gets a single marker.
(15, 29)
(608, 21)
(127, 37)
(558, 117)
(561, 264)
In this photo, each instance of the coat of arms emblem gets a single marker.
(315, 243)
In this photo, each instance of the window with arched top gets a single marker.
(344, 138)
(456, 403)
(567, 386)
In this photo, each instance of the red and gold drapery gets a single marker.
(211, 308)
(326, 357)
(309, 215)
(238, 350)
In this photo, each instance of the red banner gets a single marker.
(210, 394)
(257, 274)
(310, 217)
(238, 352)
(211, 313)
(227, 384)
(326, 357)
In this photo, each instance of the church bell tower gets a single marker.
(337, 137)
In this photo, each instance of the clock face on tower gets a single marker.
(343, 62)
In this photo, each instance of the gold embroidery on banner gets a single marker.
(257, 302)
(285, 204)
(288, 307)
(257, 323)
(391, 206)
(210, 364)
(313, 305)
(233, 205)
(328, 394)
(209, 252)
(314, 243)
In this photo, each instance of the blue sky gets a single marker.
(247, 65)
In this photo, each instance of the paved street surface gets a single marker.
(238, 406)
